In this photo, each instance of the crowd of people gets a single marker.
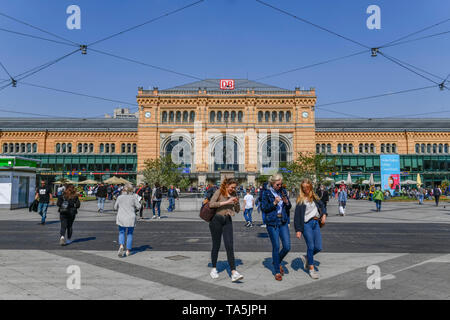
(272, 201)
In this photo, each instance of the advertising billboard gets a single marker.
(390, 172)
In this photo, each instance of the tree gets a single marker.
(308, 165)
(184, 183)
(162, 170)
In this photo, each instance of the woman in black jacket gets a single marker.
(68, 204)
(309, 214)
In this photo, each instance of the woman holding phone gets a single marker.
(227, 205)
(275, 205)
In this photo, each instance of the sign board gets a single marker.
(390, 172)
(226, 84)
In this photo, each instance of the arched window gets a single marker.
(324, 150)
(366, 148)
(122, 149)
(219, 116)
(339, 148)
(394, 148)
(267, 116)
(185, 116)
(11, 148)
(17, 147)
(22, 148)
(382, 148)
(128, 147)
(434, 148)
(288, 116)
(63, 148)
(388, 148)
(446, 148)
(417, 148)
(441, 148)
(91, 148)
(350, 148)
(164, 117)
(69, 148)
(260, 116)
(372, 148)
(5, 148)
(192, 116)
(233, 116)
(361, 148)
(134, 148)
(102, 148)
(107, 148)
(274, 116)
(317, 148)
(422, 148)
(274, 153)
(80, 148)
(226, 116)
(212, 116)
(178, 116)
(281, 116)
(28, 147)
(85, 148)
(58, 148)
(34, 147)
(113, 148)
(329, 148)
(240, 116)
(344, 149)
(171, 116)
(428, 148)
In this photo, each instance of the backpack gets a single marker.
(158, 193)
(65, 206)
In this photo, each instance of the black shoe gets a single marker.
(43, 223)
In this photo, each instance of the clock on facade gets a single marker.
(148, 114)
(305, 114)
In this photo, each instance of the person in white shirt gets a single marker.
(249, 203)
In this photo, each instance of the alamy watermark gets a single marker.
(374, 21)
(74, 280)
(74, 20)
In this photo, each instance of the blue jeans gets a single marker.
(158, 205)
(171, 204)
(129, 236)
(148, 203)
(42, 210)
(421, 198)
(248, 214)
(313, 239)
(275, 234)
(378, 203)
(101, 203)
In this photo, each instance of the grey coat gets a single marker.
(128, 205)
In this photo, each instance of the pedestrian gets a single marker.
(421, 194)
(276, 205)
(342, 198)
(378, 197)
(322, 192)
(102, 193)
(308, 212)
(156, 200)
(68, 204)
(226, 203)
(148, 196)
(437, 192)
(127, 205)
(249, 203)
(172, 194)
(44, 195)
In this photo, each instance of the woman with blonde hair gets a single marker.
(310, 215)
(226, 203)
(275, 205)
(128, 206)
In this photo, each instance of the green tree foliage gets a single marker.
(162, 170)
(307, 165)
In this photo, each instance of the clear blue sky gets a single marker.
(226, 39)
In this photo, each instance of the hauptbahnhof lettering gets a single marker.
(250, 130)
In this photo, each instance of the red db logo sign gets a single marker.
(227, 84)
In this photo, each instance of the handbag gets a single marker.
(206, 213)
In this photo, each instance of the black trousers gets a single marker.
(436, 198)
(222, 225)
(67, 220)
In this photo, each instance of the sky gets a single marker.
(226, 39)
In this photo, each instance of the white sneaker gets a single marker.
(159, 218)
(154, 217)
(62, 241)
(263, 226)
(120, 253)
(236, 277)
(314, 275)
(305, 262)
(214, 274)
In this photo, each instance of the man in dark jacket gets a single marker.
(323, 195)
(102, 192)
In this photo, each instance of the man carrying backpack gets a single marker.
(437, 192)
(156, 200)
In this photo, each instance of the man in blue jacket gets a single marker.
(275, 205)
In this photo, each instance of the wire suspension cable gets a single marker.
(37, 37)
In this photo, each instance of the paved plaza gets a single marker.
(409, 243)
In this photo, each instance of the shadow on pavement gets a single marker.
(140, 249)
(297, 264)
(84, 239)
(223, 265)
(267, 263)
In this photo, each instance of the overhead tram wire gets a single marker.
(37, 37)
(416, 39)
(40, 29)
(147, 22)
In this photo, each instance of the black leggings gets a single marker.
(222, 225)
(66, 224)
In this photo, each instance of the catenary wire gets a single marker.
(37, 37)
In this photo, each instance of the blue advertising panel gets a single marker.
(390, 172)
